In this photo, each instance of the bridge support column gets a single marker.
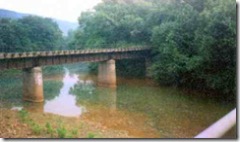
(107, 74)
(33, 84)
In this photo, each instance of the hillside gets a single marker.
(65, 26)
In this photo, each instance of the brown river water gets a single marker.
(139, 107)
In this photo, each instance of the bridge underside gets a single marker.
(13, 62)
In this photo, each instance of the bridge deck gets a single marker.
(43, 58)
(67, 52)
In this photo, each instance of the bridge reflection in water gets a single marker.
(69, 104)
(65, 103)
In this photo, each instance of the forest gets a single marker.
(193, 41)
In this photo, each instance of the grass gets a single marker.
(23, 115)
(61, 132)
(74, 131)
(49, 130)
(90, 135)
(36, 129)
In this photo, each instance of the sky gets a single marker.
(68, 10)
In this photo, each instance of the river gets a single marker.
(139, 107)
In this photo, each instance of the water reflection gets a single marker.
(34, 107)
(108, 96)
(30, 107)
(65, 103)
(136, 106)
(90, 95)
(17, 108)
(52, 88)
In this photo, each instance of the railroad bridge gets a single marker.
(31, 62)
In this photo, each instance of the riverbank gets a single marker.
(16, 124)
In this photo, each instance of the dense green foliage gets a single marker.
(131, 68)
(30, 33)
(197, 48)
(112, 25)
(193, 41)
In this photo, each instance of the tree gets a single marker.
(110, 25)
(173, 42)
(43, 33)
(30, 33)
(10, 39)
(217, 43)
(197, 48)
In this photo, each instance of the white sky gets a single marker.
(68, 10)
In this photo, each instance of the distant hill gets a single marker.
(65, 26)
(11, 14)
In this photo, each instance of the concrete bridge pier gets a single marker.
(107, 74)
(33, 84)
